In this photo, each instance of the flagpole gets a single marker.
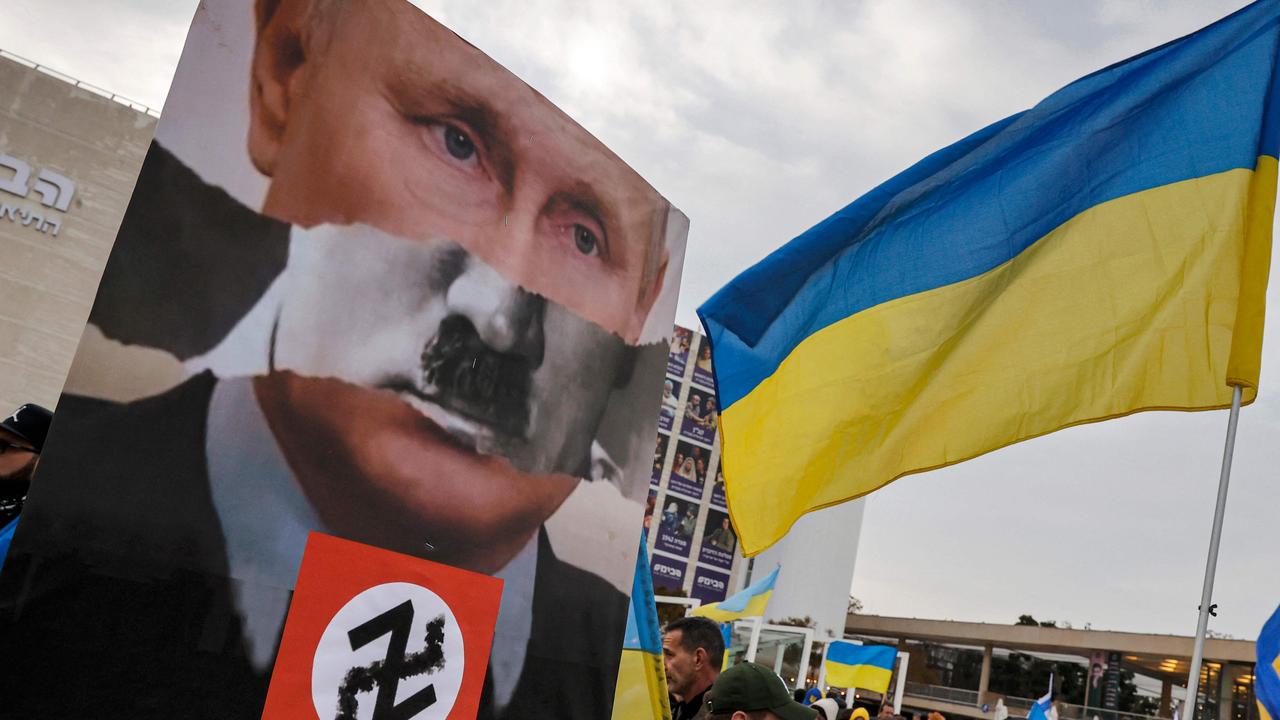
(1211, 565)
(822, 667)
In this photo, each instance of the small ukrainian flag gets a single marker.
(751, 602)
(641, 690)
(1267, 685)
(868, 667)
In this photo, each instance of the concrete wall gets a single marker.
(48, 281)
(817, 558)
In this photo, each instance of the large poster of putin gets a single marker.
(371, 285)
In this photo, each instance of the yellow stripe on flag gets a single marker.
(1129, 306)
(641, 691)
(865, 677)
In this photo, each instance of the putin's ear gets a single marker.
(280, 53)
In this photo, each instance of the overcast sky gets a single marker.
(760, 118)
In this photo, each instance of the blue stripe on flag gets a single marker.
(1267, 684)
(738, 602)
(975, 205)
(850, 654)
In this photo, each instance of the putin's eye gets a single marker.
(585, 240)
(453, 142)
(458, 143)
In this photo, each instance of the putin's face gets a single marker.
(473, 283)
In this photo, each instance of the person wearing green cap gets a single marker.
(748, 691)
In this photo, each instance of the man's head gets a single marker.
(470, 276)
(692, 652)
(22, 437)
(748, 691)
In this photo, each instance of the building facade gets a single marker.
(69, 156)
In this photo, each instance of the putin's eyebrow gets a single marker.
(444, 100)
(582, 196)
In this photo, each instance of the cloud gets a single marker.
(130, 48)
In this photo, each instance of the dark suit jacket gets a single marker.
(189, 261)
(115, 602)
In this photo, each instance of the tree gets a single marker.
(1029, 620)
(855, 605)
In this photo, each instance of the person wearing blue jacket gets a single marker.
(22, 436)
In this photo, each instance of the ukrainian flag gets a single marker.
(868, 667)
(641, 691)
(1266, 685)
(750, 602)
(1103, 253)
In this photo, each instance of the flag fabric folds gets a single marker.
(867, 667)
(641, 691)
(1102, 253)
(750, 602)
(726, 634)
(1042, 709)
(1267, 670)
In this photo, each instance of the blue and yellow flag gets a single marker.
(1266, 685)
(867, 667)
(1102, 253)
(1042, 707)
(750, 602)
(641, 692)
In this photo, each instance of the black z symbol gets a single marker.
(387, 673)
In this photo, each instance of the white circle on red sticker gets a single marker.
(393, 652)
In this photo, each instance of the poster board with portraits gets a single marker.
(370, 284)
(690, 480)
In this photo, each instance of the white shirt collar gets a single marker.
(266, 517)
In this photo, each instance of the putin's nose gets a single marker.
(506, 317)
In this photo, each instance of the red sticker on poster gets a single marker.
(376, 635)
